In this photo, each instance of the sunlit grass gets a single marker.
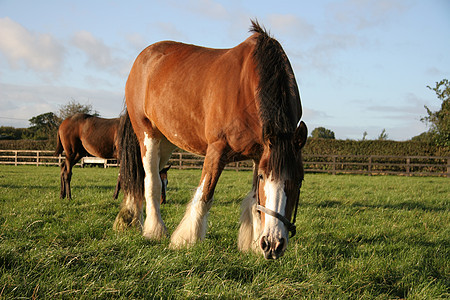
(358, 237)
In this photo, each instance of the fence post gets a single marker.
(37, 158)
(369, 166)
(15, 158)
(334, 165)
(448, 166)
(408, 166)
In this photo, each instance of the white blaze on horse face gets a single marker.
(276, 201)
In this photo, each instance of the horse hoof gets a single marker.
(156, 233)
(125, 220)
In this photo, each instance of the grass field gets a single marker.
(358, 237)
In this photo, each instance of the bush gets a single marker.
(28, 144)
(313, 146)
(373, 147)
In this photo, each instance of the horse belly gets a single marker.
(101, 147)
(188, 138)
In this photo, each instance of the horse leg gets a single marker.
(250, 220)
(130, 214)
(192, 227)
(62, 194)
(66, 176)
(67, 179)
(117, 190)
(165, 149)
(154, 227)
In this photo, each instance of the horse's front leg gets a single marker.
(62, 194)
(192, 227)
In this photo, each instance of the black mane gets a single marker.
(279, 101)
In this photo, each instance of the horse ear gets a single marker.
(301, 134)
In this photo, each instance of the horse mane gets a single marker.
(277, 93)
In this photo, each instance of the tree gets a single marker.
(74, 107)
(383, 135)
(364, 136)
(440, 120)
(44, 126)
(425, 137)
(321, 132)
(11, 133)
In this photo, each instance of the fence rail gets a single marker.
(333, 164)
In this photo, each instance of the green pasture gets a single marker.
(358, 237)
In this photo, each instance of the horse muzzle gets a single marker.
(272, 247)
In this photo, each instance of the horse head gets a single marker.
(279, 180)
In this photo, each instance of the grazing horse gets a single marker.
(83, 134)
(228, 105)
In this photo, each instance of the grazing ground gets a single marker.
(358, 237)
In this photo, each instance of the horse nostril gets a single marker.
(280, 246)
(265, 244)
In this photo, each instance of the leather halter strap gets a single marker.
(290, 226)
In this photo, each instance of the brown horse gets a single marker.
(83, 134)
(228, 105)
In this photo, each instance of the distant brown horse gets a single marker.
(228, 105)
(84, 134)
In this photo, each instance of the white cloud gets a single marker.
(37, 51)
(170, 31)
(99, 55)
(19, 103)
(207, 8)
(136, 41)
(292, 25)
(365, 13)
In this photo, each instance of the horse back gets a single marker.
(195, 95)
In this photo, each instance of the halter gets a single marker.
(290, 226)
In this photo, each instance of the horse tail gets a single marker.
(131, 169)
(59, 146)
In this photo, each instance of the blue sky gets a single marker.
(360, 65)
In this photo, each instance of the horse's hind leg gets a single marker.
(154, 227)
(66, 176)
(117, 190)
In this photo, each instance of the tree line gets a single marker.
(45, 126)
(437, 121)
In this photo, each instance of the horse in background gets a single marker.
(227, 105)
(83, 134)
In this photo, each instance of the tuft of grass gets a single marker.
(358, 237)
